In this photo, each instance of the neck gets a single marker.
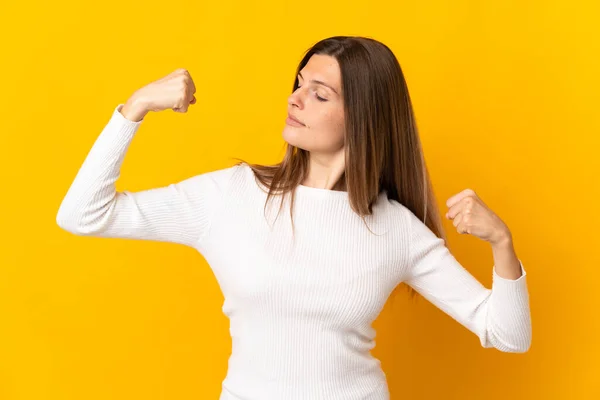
(326, 171)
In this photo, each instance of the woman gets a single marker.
(301, 292)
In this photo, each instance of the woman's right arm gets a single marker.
(179, 212)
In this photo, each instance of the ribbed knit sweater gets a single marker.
(301, 304)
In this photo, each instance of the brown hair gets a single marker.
(382, 145)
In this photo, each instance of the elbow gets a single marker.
(524, 345)
(519, 348)
(71, 220)
(83, 221)
(71, 225)
(520, 343)
(520, 340)
(66, 220)
(63, 219)
(525, 349)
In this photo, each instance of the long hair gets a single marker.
(382, 146)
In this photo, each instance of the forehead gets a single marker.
(323, 68)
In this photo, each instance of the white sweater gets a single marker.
(300, 309)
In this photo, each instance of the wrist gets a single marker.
(502, 240)
(135, 109)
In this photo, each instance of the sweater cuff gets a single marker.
(510, 288)
(124, 121)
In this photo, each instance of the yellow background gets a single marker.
(506, 97)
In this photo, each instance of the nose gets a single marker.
(295, 99)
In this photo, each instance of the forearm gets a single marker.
(509, 320)
(506, 262)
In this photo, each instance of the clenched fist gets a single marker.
(174, 91)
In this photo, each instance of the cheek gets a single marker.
(335, 127)
(328, 130)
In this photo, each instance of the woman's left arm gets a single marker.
(499, 316)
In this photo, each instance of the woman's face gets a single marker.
(318, 106)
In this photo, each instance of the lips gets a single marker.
(294, 119)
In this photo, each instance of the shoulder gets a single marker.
(397, 209)
(410, 221)
(213, 182)
(224, 176)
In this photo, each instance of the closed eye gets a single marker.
(317, 96)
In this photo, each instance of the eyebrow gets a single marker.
(319, 83)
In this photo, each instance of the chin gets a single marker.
(293, 136)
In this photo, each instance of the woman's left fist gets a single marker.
(469, 214)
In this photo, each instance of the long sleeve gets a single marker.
(499, 316)
(179, 212)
